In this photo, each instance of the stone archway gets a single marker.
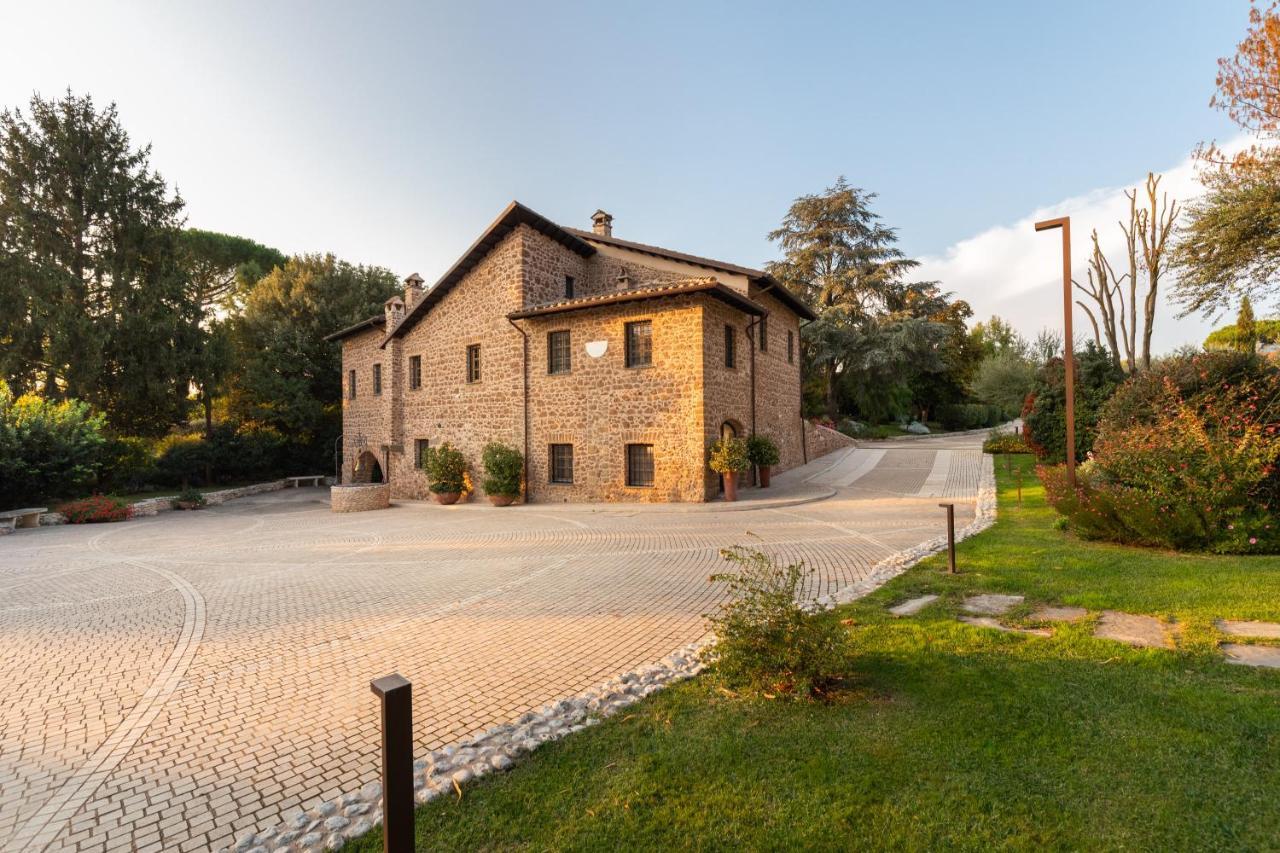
(367, 469)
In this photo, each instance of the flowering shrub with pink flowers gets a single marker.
(1187, 457)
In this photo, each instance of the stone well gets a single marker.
(359, 497)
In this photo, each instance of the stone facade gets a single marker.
(677, 404)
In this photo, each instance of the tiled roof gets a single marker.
(379, 320)
(709, 286)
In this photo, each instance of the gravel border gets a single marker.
(330, 824)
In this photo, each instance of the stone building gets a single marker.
(611, 365)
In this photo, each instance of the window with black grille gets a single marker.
(473, 363)
(730, 347)
(791, 347)
(562, 463)
(377, 379)
(568, 287)
(420, 446)
(639, 464)
(639, 339)
(558, 352)
(351, 384)
(415, 372)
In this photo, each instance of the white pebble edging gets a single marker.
(329, 824)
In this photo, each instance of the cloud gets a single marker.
(1015, 272)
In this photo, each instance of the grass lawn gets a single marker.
(950, 736)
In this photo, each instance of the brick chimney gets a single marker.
(412, 290)
(602, 224)
(394, 309)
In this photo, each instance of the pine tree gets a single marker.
(96, 304)
(1246, 327)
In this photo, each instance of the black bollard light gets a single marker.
(951, 537)
(395, 691)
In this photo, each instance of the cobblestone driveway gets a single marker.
(171, 681)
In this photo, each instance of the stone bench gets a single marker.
(29, 517)
(314, 480)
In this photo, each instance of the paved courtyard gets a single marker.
(172, 681)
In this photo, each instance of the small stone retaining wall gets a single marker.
(820, 440)
(155, 506)
(360, 497)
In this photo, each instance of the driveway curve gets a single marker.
(173, 681)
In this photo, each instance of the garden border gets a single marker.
(164, 503)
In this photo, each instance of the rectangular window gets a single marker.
(351, 384)
(377, 379)
(420, 446)
(730, 343)
(791, 347)
(558, 357)
(473, 363)
(640, 465)
(415, 371)
(764, 333)
(562, 463)
(568, 287)
(639, 343)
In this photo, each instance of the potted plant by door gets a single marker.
(763, 454)
(504, 470)
(447, 471)
(728, 457)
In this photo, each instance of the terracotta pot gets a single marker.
(501, 500)
(730, 486)
(764, 476)
(447, 498)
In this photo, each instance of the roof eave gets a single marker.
(356, 328)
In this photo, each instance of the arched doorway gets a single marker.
(367, 469)
(728, 429)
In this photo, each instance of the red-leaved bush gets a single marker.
(95, 509)
(1187, 457)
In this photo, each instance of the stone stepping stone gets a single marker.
(1141, 631)
(991, 604)
(1268, 656)
(1051, 613)
(913, 606)
(1269, 630)
(990, 622)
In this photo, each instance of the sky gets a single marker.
(393, 133)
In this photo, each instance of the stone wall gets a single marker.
(360, 498)
(446, 407)
(601, 405)
(823, 440)
(366, 420)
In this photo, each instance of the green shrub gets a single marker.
(47, 449)
(128, 464)
(761, 451)
(95, 510)
(729, 454)
(182, 459)
(963, 416)
(190, 496)
(767, 639)
(1044, 416)
(1005, 442)
(446, 469)
(503, 468)
(1188, 457)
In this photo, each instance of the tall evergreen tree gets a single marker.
(1246, 327)
(96, 303)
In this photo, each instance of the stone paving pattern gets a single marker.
(174, 681)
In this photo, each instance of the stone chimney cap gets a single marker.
(414, 279)
(391, 300)
(602, 223)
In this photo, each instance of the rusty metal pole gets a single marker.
(395, 691)
(951, 537)
(1068, 357)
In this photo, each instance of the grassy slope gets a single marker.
(951, 736)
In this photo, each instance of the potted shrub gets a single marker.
(728, 457)
(447, 471)
(504, 471)
(763, 454)
(189, 499)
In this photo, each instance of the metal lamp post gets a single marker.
(1068, 357)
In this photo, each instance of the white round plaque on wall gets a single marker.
(595, 349)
